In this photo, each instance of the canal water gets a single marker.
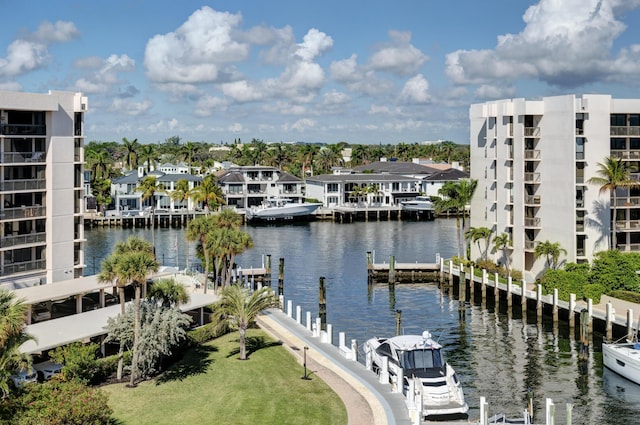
(497, 355)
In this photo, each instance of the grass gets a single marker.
(211, 386)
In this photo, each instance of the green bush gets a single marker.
(62, 403)
(630, 296)
(567, 282)
(206, 333)
(79, 360)
(594, 291)
(489, 266)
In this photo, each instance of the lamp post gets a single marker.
(305, 377)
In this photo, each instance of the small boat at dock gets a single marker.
(421, 205)
(419, 358)
(281, 209)
(623, 358)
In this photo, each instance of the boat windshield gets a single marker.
(421, 359)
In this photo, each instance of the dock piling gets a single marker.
(630, 324)
(322, 305)
(281, 277)
(398, 321)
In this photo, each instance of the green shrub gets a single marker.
(205, 333)
(594, 291)
(567, 282)
(58, 402)
(80, 362)
(489, 266)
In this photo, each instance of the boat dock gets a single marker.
(393, 272)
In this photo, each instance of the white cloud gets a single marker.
(565, 43)
(399, 56)
(334, 98)
(301, 125)
(315, 43)
(346, 70)
(416, 90)
(198, 51)
(241, 91)
(491, 92)
(59, 32)
(129, 107)
(235, 128)
(104, 78)
(207, 105)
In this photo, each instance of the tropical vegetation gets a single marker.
(456, 197)
(12, 336)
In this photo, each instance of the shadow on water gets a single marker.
(253, 344)
(195, 362)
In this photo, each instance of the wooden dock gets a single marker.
(393, 272)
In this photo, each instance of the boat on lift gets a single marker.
(281, 209)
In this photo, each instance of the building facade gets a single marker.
(533, 160)
(41, 187)
(246, 186)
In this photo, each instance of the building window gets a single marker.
(618, 143)
(634, 143)
(634, 120)
(618, 120)
(580, 220)
(579, 148)
(332, 187)
(580, 244)
(580, 173)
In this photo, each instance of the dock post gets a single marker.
(484, 414)
(322, 304)
(450, 273)
(308, 320)
(483, 285)
(496, 289)
(369, 267)
(392, 269)
(569, 412)
(572, 314)
(472, 284)
(523, 300)
(290, 308)
(398, 321)
(441, 270)
(551, 412)
(509, 292)
(462, 284)
(539, 301)
(584, 335)
(590, 310)
(281, 277)
(630, 324)
(609, 320)
(299, 314)
(555, 305)
(267, 279)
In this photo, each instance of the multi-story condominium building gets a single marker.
(533, 160)
(246, 186)
(41, 187)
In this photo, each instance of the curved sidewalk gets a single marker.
(367, 401)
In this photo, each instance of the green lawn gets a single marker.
(211, 386)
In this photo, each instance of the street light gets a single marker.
(305, 377)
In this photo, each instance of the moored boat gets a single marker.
(420, 205)
(281, 209)
(623, 358)
(419, 358)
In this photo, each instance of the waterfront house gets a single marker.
(41, 187)
(533, 160)
(246, 186)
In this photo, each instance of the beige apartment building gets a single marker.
(41, 187)
(533, 160)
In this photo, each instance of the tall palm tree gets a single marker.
(477, 234)
(12, 336)
(503, 242)
(181, 193)
(456, 196)
(551, 250)
(613, 173)
(238, 308)
(131, 263)
(148, 154)
(149, 186)
(98, 160)
(197, 230)
(447, 148)
(209, 193)
(131, 152)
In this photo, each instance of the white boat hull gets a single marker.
(624, 359)
(285, 212)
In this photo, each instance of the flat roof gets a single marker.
(78, 327)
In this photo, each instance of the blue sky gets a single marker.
(329, 71)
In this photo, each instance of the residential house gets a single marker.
(246, 186)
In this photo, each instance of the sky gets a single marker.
(313, 71)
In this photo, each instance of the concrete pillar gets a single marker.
(308, 320)
(354, 350)
(298, 314)
(509, 292)
(630, 324)
(318, 326)
(609, 320)
(523, 294)
(290, 308)
(342, 339)
(384, 370)
(496, 288)
(572, 311)
(329, 334)
(483, 284)
(555, 305)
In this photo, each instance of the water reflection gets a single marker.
(497, 354)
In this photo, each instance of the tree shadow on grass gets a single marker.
(253, 344)
(194, 362)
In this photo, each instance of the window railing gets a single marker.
(23, 129)
(532, 222)
(22, 212)
(633, 201)
(532, 199)
(13, 240)
(532, 177)
(532, 132)
(23, 266)
(529, 245)
(625, 131)
(634, 247)
(623, 224)
(531, 154)
(32, 184)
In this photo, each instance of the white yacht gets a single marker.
(281, 209)
(419, 358)
(623, 358)
(420, 205)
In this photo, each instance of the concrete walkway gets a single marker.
(367, 401)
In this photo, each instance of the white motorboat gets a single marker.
(623, 358)
(419, 205)
(281, 209)
(419, 358)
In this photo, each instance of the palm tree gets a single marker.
(168, 293)
(98, 161)
(148, 154)
(613, 173)
(12, 336)
(552, 250)
(149, 186)
(181, 193)
(228, 218)
(503, 242)
(238, 308)
(131, 152)
(197, 230)
(131, 263)
(447, 148)
(209, 193)
(457, 196)
(476, 234)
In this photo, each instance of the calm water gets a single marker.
(496, 355)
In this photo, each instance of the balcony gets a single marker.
(628, 225)
(22, 212)
(625, 154)
(529, 245)
(532, 177)
(634, 247)
(22, 157)
(625, 131)
(532, 132)
(532, 222)
(532, 200)
(532, 154)
(30, 238)
(25, 266)
(633, 201)
(18, 185)
(23, 130)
